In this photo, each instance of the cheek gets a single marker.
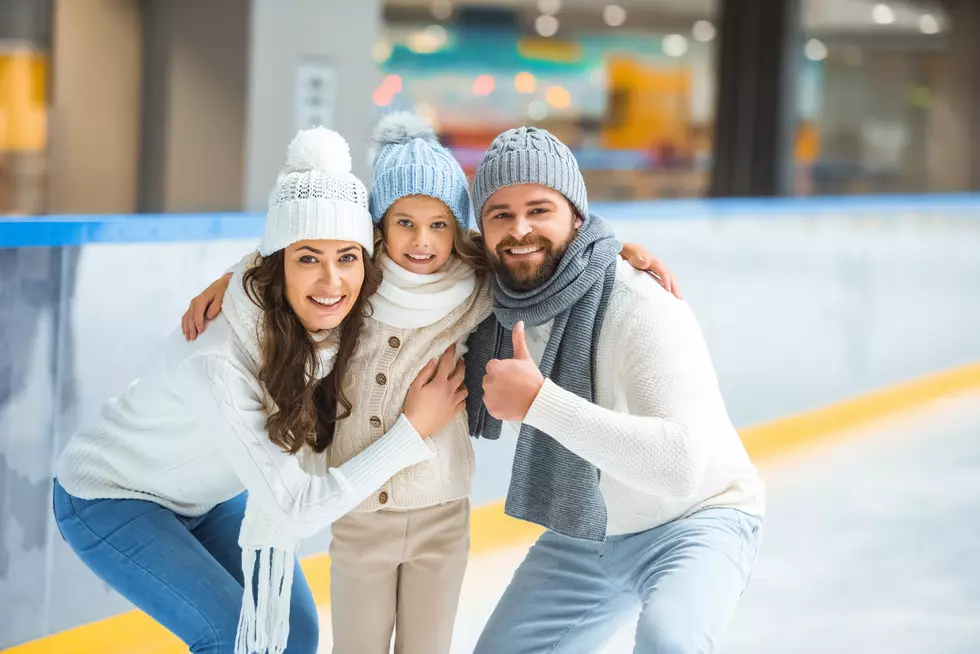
(491, 236)
(555, 231)
(295, 286)
(354, 280)
(444, 244)
(395, 242)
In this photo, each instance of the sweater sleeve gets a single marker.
(229, 405)
(659, 361)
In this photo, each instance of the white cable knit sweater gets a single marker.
(190, 434)
(416, 318)
(659, 431)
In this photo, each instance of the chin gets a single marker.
(316, 323)
(320, 325)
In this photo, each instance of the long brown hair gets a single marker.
(306, 406)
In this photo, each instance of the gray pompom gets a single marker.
(397, 128)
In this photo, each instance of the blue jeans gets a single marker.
(571, 596)
(185, 573)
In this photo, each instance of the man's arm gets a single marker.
(659, 359)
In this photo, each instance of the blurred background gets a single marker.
(871, 97)
(809, 168)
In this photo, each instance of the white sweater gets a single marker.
(659, 431)
(190, 434)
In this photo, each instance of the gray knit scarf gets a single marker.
(550, 485)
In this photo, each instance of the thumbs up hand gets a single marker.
(511, 385)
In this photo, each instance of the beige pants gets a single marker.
(398, 570)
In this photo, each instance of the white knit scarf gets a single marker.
(268, 545)
(409, 300)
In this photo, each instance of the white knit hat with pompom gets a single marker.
(317, 196)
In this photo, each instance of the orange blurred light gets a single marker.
(382, 96)
(483, 85)
(524, 83)
(558, 97)
(393, 83)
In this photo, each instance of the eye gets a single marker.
(350, 257)
(404, 223)
(308, 259)
(500, 216)
(539, 210)
(439, 224)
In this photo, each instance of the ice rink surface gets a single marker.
(871, 545)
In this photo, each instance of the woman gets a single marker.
(153, 498)
(398, 559)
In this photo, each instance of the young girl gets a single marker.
(397, 560)
(152, 498)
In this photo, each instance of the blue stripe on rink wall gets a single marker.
(30, 231)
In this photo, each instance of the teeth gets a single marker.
(327, 301)
(523, 250)
(420, 257)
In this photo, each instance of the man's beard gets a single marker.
(527, 275)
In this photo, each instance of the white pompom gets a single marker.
(319, 149)
(397, 128)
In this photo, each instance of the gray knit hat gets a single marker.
(528, 155)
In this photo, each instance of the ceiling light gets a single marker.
(549, 7)
(614, 15)
(675, 45)
(928, 24)
(883, 14)
(441, 9)
(704, 31)
(815, 50)
(546, 25)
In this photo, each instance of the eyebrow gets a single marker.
(410, 217)
(495, 207)
(315, 251)
(532, 203)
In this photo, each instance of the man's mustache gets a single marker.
(531, 240)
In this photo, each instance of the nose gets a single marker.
(330, 277)
(520, 228)
(420, 239)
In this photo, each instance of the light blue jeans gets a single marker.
(571, 596)
(185, 573)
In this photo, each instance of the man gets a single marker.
(626, 453)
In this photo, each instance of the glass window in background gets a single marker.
(628, 85)
(869, 88)
(24, 44)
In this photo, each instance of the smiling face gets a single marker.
(418, 233)
(323, 281)
(527, 229)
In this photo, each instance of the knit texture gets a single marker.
(190, 433)
(407, 299)
(528, 155)
(409, 160)
(385, 364)
(658, 428)
(316, 196)
(550, 485)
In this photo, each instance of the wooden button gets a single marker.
(375, 421)
(383, 497)
(381, 379)
(394, 342)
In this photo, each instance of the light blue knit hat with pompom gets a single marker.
(407, 159)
